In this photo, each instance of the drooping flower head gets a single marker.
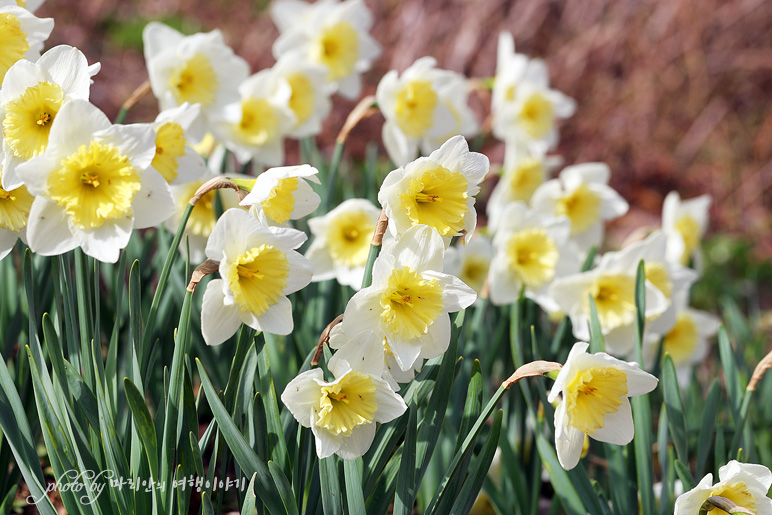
(259, 267)
(93, 184)
(685, 223)
(745, 484)
(175, 159)
(343, 413)
(423, 108)
(409, 299)
(437, 191)
(282, 194)
(342, 242)
(595, 389)
(30, 98)
(21, 34)
(333, 35)
(582, 194)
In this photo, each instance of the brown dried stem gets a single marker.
(207, 267)
(142, 90)
(216, 183)
(364, 109)
(324, 338)
(380, 229)
(758, 373)
(534, 369)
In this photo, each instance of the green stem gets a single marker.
(332, 174)
(367, 279)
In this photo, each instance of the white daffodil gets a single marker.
(687, 339)
(22, 34)
(745, 484)
(343, 413)
(331, 34)
(175, 159)
(531, 251)
(409, 300)
(522, 173)
(254, 128)
(437, 191)
(611, 285)
(30, 98)
(310, 93)
(685, 222)
(595, 390)
(30, 5)
(93, 184)
(470, 261)
(258, 268)
(204, 215)
(282, 194)
(342, 242)
(423, 107)
(15, 206)
(581, 193)
(198, 69)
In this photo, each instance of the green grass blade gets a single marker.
(285, 489)
(406, 484)
(250, 499)
(277, 444)
(675, 409)
(144, 424)
(331, 495)
(353, 479)
(708, 427)
(564, 487)
(734, 388)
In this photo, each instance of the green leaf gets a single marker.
(277, 444)
(249, 508)
(406, 484)
(731, 373)
(684, 475)
(284, 488)
(206, 503)
(561, 482)
(708, 427)
(245, 456)
(597, 341)
(144, 424)
(353, 479)
(675, 409)
(331, 496)
(473, 403)
(479, 471)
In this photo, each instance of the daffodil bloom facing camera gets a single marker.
(342, 242)
(282, 194)
(93, 184)
(437, 191)
(198, 69)
(21, 34)
(423, 108)
(343, 413)
(175, 159)
(582, 194)
(685, 222)
(745, 484)
(15, 206)
(333, 35)
(31, 96)
(595, 389)
(259, 267)
(409, 300)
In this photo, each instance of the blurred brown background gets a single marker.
(673, 94)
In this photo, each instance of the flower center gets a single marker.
(410, 303)
(348, 403)
(737, 493)
(14, 208)
(29, 117)
(95, 184)
(527, 176)
(689, 230)
(194, 81)
(592, 394)
(13, 42)
(437, 198)
(259, 123)
(475, 271)
(614, 297)
(258, 277)
(337, 48)
(536, 115)
(169, 146)
(681, 340)
(281, 201)
(415, 108)
(302, 99)
(581, 206)
(349, 238)
(533, 256)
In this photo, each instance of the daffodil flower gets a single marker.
(409, 300)
(282, 194)
(198, 69)
(343, 413)
(310, 94)
(745, 484)
(331, 34)
(22, 34)
(470, 261)
(342, 242)
(437, 191)
(93, 184)
(531, 251)
(30, 99)
(15, 206)
(582, 194)
(685, 222)
(423, 107)
(595, 390)
(258, 269)
(175, 159)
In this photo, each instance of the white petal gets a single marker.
(568, 442)
(420, 248)
(218, 322)
(277, 319)
(363, 353)
(48, 230)
(153, 203)
(390, 405)
(617, 427)
(357, 444)
(302, 394)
